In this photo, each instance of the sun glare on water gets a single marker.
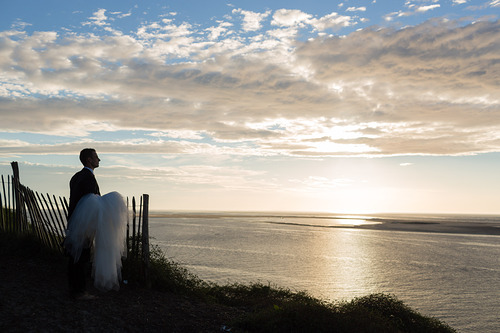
(354, 222)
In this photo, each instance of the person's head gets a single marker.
(89, 158)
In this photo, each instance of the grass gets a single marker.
(266, 308)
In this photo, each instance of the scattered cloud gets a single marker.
(356, 9)
(221, 30)
(426, 89)
(99, 19)
(413, 9)
(252, 21)
(290, 17)
(427, 8)
(122, 15)
(332, 21)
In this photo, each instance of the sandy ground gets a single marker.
(476, 228)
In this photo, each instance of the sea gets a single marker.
(425, 261)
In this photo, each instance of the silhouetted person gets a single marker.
(81, 184)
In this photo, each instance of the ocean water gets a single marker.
(454, 277)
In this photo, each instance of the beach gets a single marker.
(476, 228)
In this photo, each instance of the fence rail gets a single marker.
(24, 211)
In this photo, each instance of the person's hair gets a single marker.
(85, 154)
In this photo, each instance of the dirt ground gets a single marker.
(34, 298)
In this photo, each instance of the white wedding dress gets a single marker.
(102, 219)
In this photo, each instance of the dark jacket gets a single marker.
(82, 183)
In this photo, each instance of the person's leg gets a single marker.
(77, 273)
(72, 276)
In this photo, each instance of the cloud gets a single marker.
(221, 30)
(427, 8)
(251, 20)
(298, 19)
(413, 10)
(356, 9)
(290, 17)
(427, 89)
(99, 18)
(332, 21)
(122, 15)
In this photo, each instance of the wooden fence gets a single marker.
(24, 211)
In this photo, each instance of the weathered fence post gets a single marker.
(145, 239)
(2, 226)
(7, 221)
(17, 197)
(3, 220)
(127, 242)
(134, 251)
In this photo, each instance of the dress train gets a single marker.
(102, 220)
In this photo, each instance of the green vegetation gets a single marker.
(265, 308)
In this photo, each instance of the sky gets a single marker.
(313, 106)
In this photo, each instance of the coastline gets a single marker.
(473, 228)
(488, 225)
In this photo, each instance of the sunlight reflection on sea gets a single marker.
(453, 277)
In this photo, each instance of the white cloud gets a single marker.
(164, 30)
(122, 15)
(99, 18)
(427, 8)
(331, 21)
(220, 30)
(413, 9)
(178, 134)
(19, 25)
(251, 20)
(356, 9)
(290, 17)
(428, 89)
